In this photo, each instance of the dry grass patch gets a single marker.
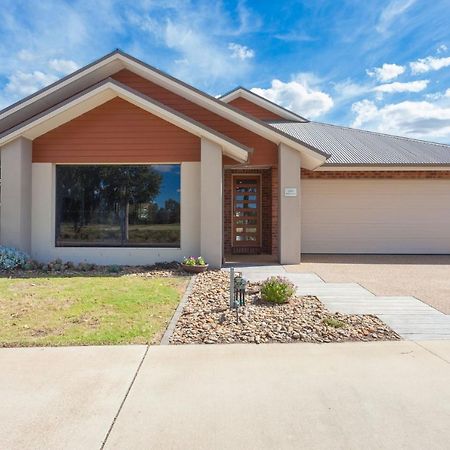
(86, 310)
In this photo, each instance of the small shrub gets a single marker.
(114, 268)
(28, 266)
(277, 290)
(11, 258)
(333, 322)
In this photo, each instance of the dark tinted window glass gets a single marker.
(118, 205)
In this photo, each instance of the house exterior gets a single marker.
(120, 163)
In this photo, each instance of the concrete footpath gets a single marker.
(380, 395)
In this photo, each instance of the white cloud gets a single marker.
(411, 86)
(418, 119)
(393, 10)
(63, 66)
(429, 63)
(21, 84)
(349, 89)
(299, 95)
(386, 72)
(441, 49)
(241, 52)
(26, 55)
(200, 59)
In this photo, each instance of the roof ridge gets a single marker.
(60, 80)
(264, 99)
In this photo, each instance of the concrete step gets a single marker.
(367, 303)
(379, 311)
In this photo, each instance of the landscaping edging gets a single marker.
(177, 314)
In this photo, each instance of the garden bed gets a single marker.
(207, 319)
(68, 269)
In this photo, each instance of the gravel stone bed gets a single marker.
(207, 319)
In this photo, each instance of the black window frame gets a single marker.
(115, 246)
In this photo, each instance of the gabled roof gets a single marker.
(112, 63)
(353, 147)
(101, 93)
(262, 102)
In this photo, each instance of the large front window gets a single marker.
(118, 206)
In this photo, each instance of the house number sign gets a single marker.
(290, 192)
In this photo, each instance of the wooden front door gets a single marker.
(246, 220)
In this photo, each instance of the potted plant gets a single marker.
(194, 264)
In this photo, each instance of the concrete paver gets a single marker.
(62, 398)
(425, 277)
(352, 298)
(389, 395)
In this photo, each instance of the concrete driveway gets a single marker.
(426, 277)
(390, 395)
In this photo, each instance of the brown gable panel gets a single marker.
(254, 110)
(116, 132)
(265, 152)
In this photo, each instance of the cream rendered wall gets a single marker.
(15, 215)
(289, 209)
(376, 216)
(211, 222)
(43, 224)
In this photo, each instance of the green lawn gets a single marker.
(86, 310)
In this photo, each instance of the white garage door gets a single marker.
(375, 216)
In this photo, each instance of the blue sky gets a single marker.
(382, 65)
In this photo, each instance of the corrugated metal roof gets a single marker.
(349, 146)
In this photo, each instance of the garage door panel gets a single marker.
(352, 216)
(364, 231)
(358, 246)
(376, 216)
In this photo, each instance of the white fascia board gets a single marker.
(63, 114)
(69, 79)
(103, 93)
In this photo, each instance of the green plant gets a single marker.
(114, 268)
(277, 290)
(194, 261)
(333, 322)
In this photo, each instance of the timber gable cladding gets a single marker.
(254, 110)
(265, 150)
(123, 125)
(114, 132)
